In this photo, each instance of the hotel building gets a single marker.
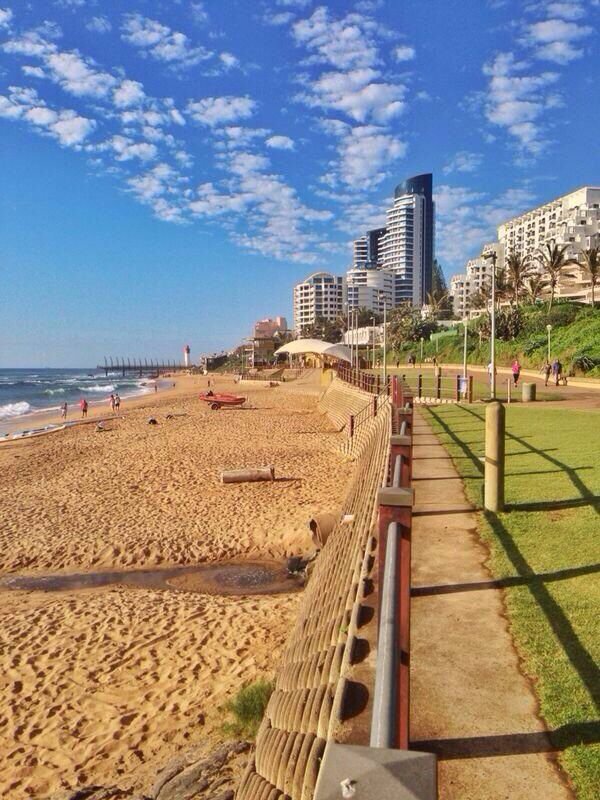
(320, 295)
(406, 250)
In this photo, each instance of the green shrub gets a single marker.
(248, 708)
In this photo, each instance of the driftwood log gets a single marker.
(248, 474)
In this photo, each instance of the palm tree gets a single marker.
(517, 269)
(551, 257)
(591, 267)
(534, 283)
(437, 302)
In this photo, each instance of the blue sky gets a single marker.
(170, 169)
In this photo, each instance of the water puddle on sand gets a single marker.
(223, 578)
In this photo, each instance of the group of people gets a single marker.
(554, 369)
(115, 403)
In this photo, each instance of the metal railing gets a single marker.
(391, 703)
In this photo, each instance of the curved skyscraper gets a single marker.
(407, 247)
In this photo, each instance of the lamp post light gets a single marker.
(548, 328)
(493, 257)
(373, 334)
(465, 321)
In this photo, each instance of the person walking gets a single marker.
(117, 403)
(546, 371)
(555, 371)
(63, 411)
(559, 369)
(491, 371)
(83, 405)
(112, 403)
(516, 371)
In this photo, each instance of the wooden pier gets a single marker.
(140, 366)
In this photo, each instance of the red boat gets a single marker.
(216, 400)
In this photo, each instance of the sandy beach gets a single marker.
(105, 685)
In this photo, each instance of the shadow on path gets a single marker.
(581, 660)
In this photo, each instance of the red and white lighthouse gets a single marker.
(186, 355)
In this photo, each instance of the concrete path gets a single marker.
(469, 702)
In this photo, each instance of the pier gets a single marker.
(139, 366)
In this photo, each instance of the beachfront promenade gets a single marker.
(370, 687)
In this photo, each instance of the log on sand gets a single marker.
(248, 474)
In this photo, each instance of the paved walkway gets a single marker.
(470, 703)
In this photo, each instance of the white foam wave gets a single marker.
(54, 391)
(109, 387)
(14, 409)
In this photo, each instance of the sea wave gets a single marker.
(54, 391)
(14, 409)
(109, 387)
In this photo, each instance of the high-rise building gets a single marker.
(406, 250)
(572, 219)
(369, 287)
(318, 296)
(367, 249)
(476, 278)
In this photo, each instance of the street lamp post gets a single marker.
(548, 328)
(465, 349)
(493, 256)
(373, 334)
(385, 343)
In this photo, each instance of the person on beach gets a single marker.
(83, 405)
(156, 387)
(491, 372)
(555, 371)
(63, 411)
(516, 371)
(112, 403)
(117, 403)
(558, 373)
(546, 370)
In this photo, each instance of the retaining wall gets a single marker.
(318, 684)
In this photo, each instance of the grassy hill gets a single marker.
(575, 339)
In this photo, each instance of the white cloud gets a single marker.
(72, 129)
(216, 111)
(33, 72)
(463, 161)
(68, 127)
(229, 61)
(40, 115)
(347, 43)
(6, 16)
(161, 43)
(78, 75)
(129, 93)
(294, 3)
(516, 101)
(280, 143)
(366, 155)
(72, 4)
(404, 53)
(126, 149)
(357, 94)
(278, 19)
(99, 25)
(566, 10)
(199, 13)
(553, 39)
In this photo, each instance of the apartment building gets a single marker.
(406, 250)
(476, 278)
(319, 295)
(370, 288)
(571, 219)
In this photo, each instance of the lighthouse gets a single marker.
(186, 355)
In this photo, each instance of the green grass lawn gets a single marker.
(547, 544)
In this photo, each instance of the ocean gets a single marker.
(25, 391)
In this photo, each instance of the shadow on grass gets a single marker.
(584, 664)
(511, 743)
(555, 505)
(506, 583)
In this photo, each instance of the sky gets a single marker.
(170, 168)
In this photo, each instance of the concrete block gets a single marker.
(397, 439)
(388, 496)
(368, 773)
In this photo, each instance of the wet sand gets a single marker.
(104, 685)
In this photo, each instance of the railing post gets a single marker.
(470, 395)
(420, 386)
(351, 426)
(378, 383)
(457, 389)
(375, 406)
(438, 388)
(494, 457)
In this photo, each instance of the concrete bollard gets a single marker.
(529, 392)
(246, 475)
(494, 457)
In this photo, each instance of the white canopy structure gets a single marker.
(315, 346)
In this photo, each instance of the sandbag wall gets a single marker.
(314, 690)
